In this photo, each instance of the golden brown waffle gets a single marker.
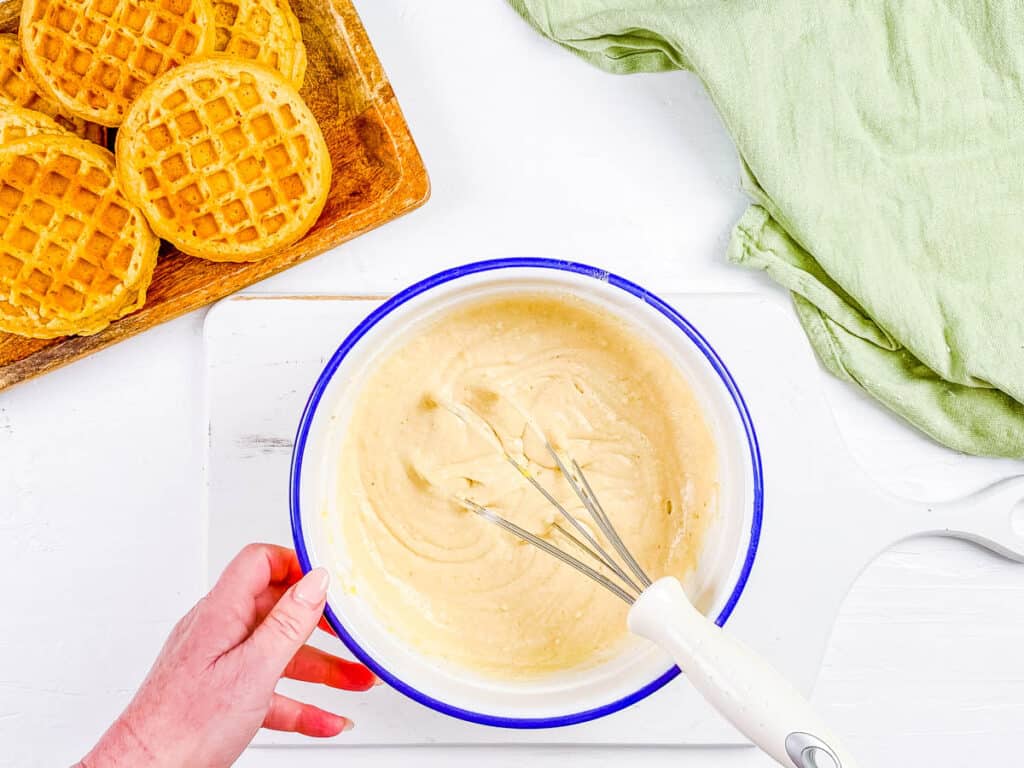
(18, 123)
(261, 30)
(17, 86)
(94, 57)
(74, 253)
(225, 159)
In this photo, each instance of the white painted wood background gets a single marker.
(531, 152)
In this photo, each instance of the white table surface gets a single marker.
(530, 152)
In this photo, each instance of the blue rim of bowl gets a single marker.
(488, 266)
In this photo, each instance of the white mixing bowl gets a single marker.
(574, 695)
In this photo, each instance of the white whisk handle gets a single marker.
(741, 685)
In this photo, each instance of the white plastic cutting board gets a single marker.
(824, 519)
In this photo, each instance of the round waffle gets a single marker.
(225, 159)
(261, 30)
(18, 123)
(74, 253)
(94, 57)
(17, 86)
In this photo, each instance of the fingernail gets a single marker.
(312, 589)
(349, 725)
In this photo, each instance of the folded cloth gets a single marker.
(883, 144)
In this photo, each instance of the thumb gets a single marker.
(290, 623)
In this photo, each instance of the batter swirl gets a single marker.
(451, 584)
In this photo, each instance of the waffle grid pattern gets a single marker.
(72, 256)
(17, 86)
(98, 55)
(265, 31)
(225, 165)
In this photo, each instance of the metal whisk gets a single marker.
(627, 589)
(741, 685)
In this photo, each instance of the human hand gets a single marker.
(212, 686)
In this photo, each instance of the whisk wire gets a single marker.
(596, 548)
(552, 550)
(605, 524)
(598, 557)
(589, 500)
(585, 541)
(628, 590)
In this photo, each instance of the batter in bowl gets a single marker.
(430, 426)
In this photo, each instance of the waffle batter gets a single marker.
(453, 585)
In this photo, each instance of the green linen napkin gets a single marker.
(883, 144)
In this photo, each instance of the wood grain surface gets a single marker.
(377, 175)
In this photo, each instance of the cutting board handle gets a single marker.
(992, 517)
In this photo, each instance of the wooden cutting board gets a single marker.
(377, 175)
